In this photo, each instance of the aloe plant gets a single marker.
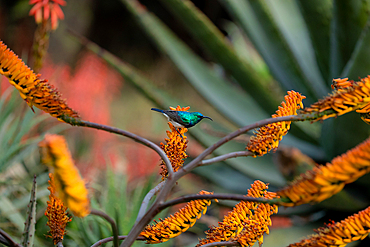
(296, 45)
(300, 53)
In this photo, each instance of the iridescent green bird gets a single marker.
(182, 119)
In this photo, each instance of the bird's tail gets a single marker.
(158, 110)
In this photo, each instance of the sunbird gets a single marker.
(182, 119)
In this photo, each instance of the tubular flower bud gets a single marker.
(339, 234)
(348, 96)
(268, 137)
(247, 222)
(178, 223)
(326, 180)
(56, 214)
(34, 91)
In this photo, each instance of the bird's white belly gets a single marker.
(175, 124)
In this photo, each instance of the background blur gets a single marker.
(231, 60)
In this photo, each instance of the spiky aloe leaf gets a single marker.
(346, 33)
(222, 52)
(29, 228)
(317, 15)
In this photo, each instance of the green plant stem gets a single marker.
(171, 181)
(8, 240)
(225, 157)
(111, 221)
(137, 138)
(106, 240)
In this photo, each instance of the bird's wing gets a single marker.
(176, 116)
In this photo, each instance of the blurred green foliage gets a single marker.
(247, 62)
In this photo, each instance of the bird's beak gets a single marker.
(208, 118)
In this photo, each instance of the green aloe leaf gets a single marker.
(359, 64)
(282, 43)
(317, 15)
(9, 211)
(289, 235)
(343, 133)
(345, 32)
(345, 201)
(214, 42)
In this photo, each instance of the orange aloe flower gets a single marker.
(326, 180)
(267, 137)
(339, 234)
(56, 214)
(348, 96)
(34, 91)
(178, 223)
(68, 183)
(175, 146)
(45, 9)
(247, 222)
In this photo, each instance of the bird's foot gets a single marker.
(179, 133)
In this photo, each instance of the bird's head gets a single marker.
(200, 116)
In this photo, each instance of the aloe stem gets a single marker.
(146, 200)
(225, 157)
(234, 197)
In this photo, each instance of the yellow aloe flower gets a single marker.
(326, 180)
(247, 222)
(56, 214)
(175, 147)
(339, 234)
(267, 137)
(34, 91)
(348, 96)
(178, 223)
(69, 185)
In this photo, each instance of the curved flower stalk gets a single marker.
(69, 185)
(56, 214)
(34, 91)
(326, 180)
(339, 234)
(178, 223)
(267, 137)
(247, 222)
(348, 96)
(175, 146)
